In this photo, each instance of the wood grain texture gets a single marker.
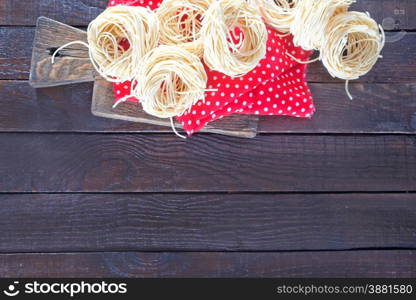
(392, 14)
(81, 12)
(149, 163)
(71, 12)
(207, 222)
(15, 59)
(71, 65)
(243, 126)
(357, 264)
(378, 108)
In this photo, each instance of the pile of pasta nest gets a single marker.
(163, 50)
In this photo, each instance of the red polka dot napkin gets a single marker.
(277, 86)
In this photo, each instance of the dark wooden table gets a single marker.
(85, 196)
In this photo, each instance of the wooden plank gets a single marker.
(166, 163)
(243, 126)
(71, 12)
(206, 222)
(15, 59)
(61, 109)
(377, 108)
(81, 12)
(71, 65)
(393, 14)
(348, 264)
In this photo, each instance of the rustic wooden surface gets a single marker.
(86, 196)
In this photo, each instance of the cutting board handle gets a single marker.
(72, 65)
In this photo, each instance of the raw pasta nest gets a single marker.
(119, 38)
(221, 53)
(171, 80)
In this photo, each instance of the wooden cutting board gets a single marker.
(72, 65)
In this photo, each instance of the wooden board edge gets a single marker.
(244, 126)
